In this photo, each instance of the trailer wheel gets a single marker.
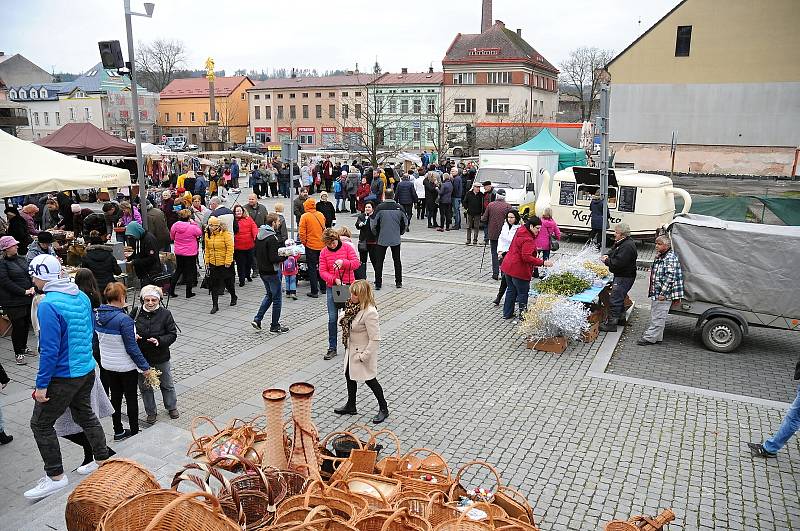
(722, 334)
(458, 152)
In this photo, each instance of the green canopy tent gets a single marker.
(568, 156)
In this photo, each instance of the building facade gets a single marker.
(724, 76)
(329, 111)
(100, 97)
(496, 76)
(408, 110)
(184, 108)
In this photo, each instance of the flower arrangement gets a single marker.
(584, 265)
(566, 284)
(152, 379)
(552, 316)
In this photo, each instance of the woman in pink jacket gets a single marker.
(549, 228)
(337, 264)
(185, 233)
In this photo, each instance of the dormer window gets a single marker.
(42, 92)
(12, 94)
(23, 94)
(34, 94)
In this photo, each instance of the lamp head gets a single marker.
(148, 8)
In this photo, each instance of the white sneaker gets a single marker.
(46, 487)
(88, 468)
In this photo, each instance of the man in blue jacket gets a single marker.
(66, 372)
(458, 194)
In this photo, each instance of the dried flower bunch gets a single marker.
(151, 378)
(552, 316)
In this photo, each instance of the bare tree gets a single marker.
(581, 73)
(158, 61)
(230, 109)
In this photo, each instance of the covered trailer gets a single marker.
(737, 275)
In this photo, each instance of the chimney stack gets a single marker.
(430, 70)
(519, 32)
(404, 70)
(486, 15)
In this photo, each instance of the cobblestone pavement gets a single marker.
(459, 380)
(762, 367)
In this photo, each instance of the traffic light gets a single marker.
(111, 54)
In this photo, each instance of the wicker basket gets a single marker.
(315, 522)
(642, 523)
(341, 508)
(380, 491)
(389, 464)
(227, 496)
(167, 510)
(465, 523)
(259, 491)
(433, 462)
(342, 443)
(115, 481)
(514, 504)
(512, 524)
(340, 490)
(416, 479)
(398, 520)
(457, 490)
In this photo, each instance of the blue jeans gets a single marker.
(291, 283)
(457, 213)
(272, 283)
(333, 316)
(168, 395)
(789, 426)
(495, 258)
(284, 188)
(486, 232)
(517, 292)
(619, 288)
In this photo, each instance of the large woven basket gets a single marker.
(416, 459)
(167, 510)
(319, 519)
(514, 504)
(398, 520)
(465, 523)
(341, 509)
(457, 490)
(115, 481)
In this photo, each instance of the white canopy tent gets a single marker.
(26, 168)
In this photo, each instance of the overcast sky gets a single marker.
(322, 34)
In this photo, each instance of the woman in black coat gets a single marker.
(18, 229)
(367, 241)
(16, 295)
(99, 259)
(431, 195)
(596, 209)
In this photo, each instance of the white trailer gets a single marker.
(519, 173)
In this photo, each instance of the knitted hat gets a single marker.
(76, 208)
(476, 184)
(44, 237)
(214, 220)
(501, 192)
(134, 229)
(45, 267)
(151, 291)
(7, 241)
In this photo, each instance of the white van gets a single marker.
(644, 201)
(518, 172)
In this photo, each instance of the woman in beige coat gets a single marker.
(361, 335)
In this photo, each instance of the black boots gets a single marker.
(609, 326)
(382, 415)
(347, 409)
(5, 438)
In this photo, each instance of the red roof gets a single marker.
(347, 80)
(411, 78)
(197, 87)
(87, 140)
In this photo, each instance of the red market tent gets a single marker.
(86, 140)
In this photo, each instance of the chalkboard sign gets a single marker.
(627, 199)
(567, 196)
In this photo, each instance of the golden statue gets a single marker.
(210, 69)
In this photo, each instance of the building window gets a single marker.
(180, 116)
(166, 117)
(328, 139)
(291, 95)
(683, 41)
(527, 79)
(417, 106)
(87, 114)
(345, 94)
(216, 115)
(392, 106)
(46, 118)
(205, 116)
(318, 111)
(358, 111)
(358, 94)
(332, 111)
(306, 139)
(12, 94)
(404, 106)
(266, 96)
(331, 94)
(404, 134)
(36, 118)
(72, 114)
(431, 106)
(292, 112)
(280, 96)
(464, 106)
(497, 106)
(58, 118)
(305, 94)
(499, 78)
(416, 133)
(257, 97)
(345, 114)
(464, 78)
(268, 112)
(318, 94)
(431, 134)
(305, 111)
(42, 92)
(244, 95)
(191, 117)
(280, 112)
(392, 135)
(258, 112)
(34, 94)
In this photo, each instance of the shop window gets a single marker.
(306, 139)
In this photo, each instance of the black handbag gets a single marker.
(554, 245)
(362, 246)
(341, 293)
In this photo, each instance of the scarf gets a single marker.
(351, 309)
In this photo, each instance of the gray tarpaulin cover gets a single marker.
(746, 266)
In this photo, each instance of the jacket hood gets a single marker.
(265, 231)
(106, 312)
(99, 247)
(62, 285)
(310, 205)
(134, 229)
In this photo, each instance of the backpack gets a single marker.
(290, 266)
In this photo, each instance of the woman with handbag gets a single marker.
(361, 335)
(549, 235)
(185, 233)
(16, 296)
(337, 263)
(218, 255)
(503, 244)
(367, 241)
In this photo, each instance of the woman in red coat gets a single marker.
(362, 192)
(518, 266)
(244, 242)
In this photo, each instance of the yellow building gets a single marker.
(724, 75)
(184, 108)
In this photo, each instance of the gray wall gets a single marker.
(737, 114)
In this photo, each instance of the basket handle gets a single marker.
(179, 500)
(205, 484)
(391, 434)
(486, 508)
(415, 451)
(324, 442)
(437, 496)
(402, 512)
(198, 441)
(312, 514)
(463, 469)
(360, 477)
(355, 426)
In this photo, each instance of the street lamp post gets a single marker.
(140, 167)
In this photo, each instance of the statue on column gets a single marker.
(210, 69)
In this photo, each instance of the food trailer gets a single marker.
(736, 275)
(644, 201)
